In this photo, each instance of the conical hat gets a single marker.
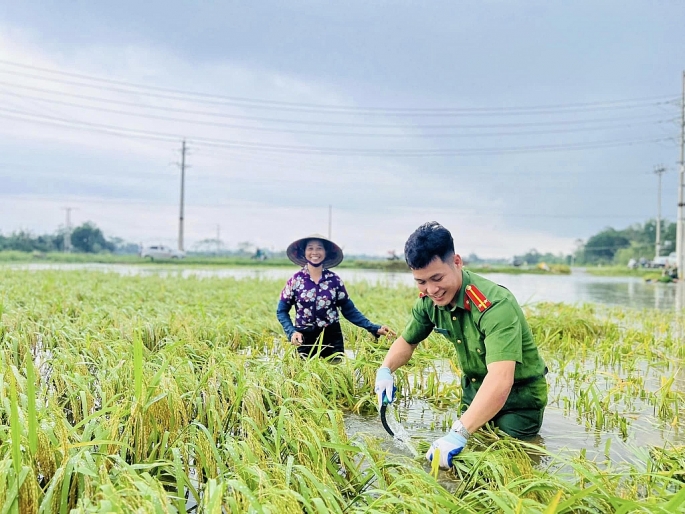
(334, 254)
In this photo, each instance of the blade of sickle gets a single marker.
(384, 421)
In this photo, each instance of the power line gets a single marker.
(273, 163)
(215, 114)
(294, 104)
(308, 150)
(594, 216)
(336, 134)
(558, 178)
(250, 103)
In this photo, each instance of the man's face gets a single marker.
(440, 280)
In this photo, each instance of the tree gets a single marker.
(602, 247)
(125, 247)
(23, 241)
(88, 238)
(473, 259)
(534, 257)
(619, 246)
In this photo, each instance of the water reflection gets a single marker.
(679, 297)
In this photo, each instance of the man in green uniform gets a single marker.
(503, 377)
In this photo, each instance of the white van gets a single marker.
(672, 260)
(665, 262)
(161, 252)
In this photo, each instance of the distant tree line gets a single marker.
(533, 257)
(86, 238)
(611, 246)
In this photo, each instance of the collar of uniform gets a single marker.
(465, 281)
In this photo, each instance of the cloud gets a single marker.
(60, 152)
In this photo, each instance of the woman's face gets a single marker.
(314, 252)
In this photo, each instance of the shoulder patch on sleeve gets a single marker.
(477, 298)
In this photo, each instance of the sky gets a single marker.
(516, 124)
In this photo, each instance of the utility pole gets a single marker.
(330, 220)
(659, 170)
(67, 230)
(680, 227)
(183, 178)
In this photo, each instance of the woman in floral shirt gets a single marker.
(317, 293)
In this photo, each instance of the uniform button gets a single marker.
(473, 380)
(478, 350)
(458, 341)
(454, 318)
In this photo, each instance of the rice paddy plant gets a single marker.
(668, 400)
(560, 326)
(151, 394)
(669, 460)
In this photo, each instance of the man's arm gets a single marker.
(491, 396)
(418, 328)
(503, 342)
(399, 354)
(489, 400)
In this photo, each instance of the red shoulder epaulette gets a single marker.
(477, 298)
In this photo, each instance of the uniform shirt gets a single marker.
(482, 332)
(315, 304)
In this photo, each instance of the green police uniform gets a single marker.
(487, 325)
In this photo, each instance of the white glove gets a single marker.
(450, 446)
(385, 386)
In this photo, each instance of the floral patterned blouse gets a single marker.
(316, 304)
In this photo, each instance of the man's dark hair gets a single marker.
(429, 241)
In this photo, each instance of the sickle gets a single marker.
(387, 428)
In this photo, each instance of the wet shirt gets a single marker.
(485, 325)
(315, 304)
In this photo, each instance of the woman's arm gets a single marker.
(283, 315)
(354, 316)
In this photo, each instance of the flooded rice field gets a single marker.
(128, 389)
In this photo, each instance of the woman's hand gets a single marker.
(297, 339)
(386, 331)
